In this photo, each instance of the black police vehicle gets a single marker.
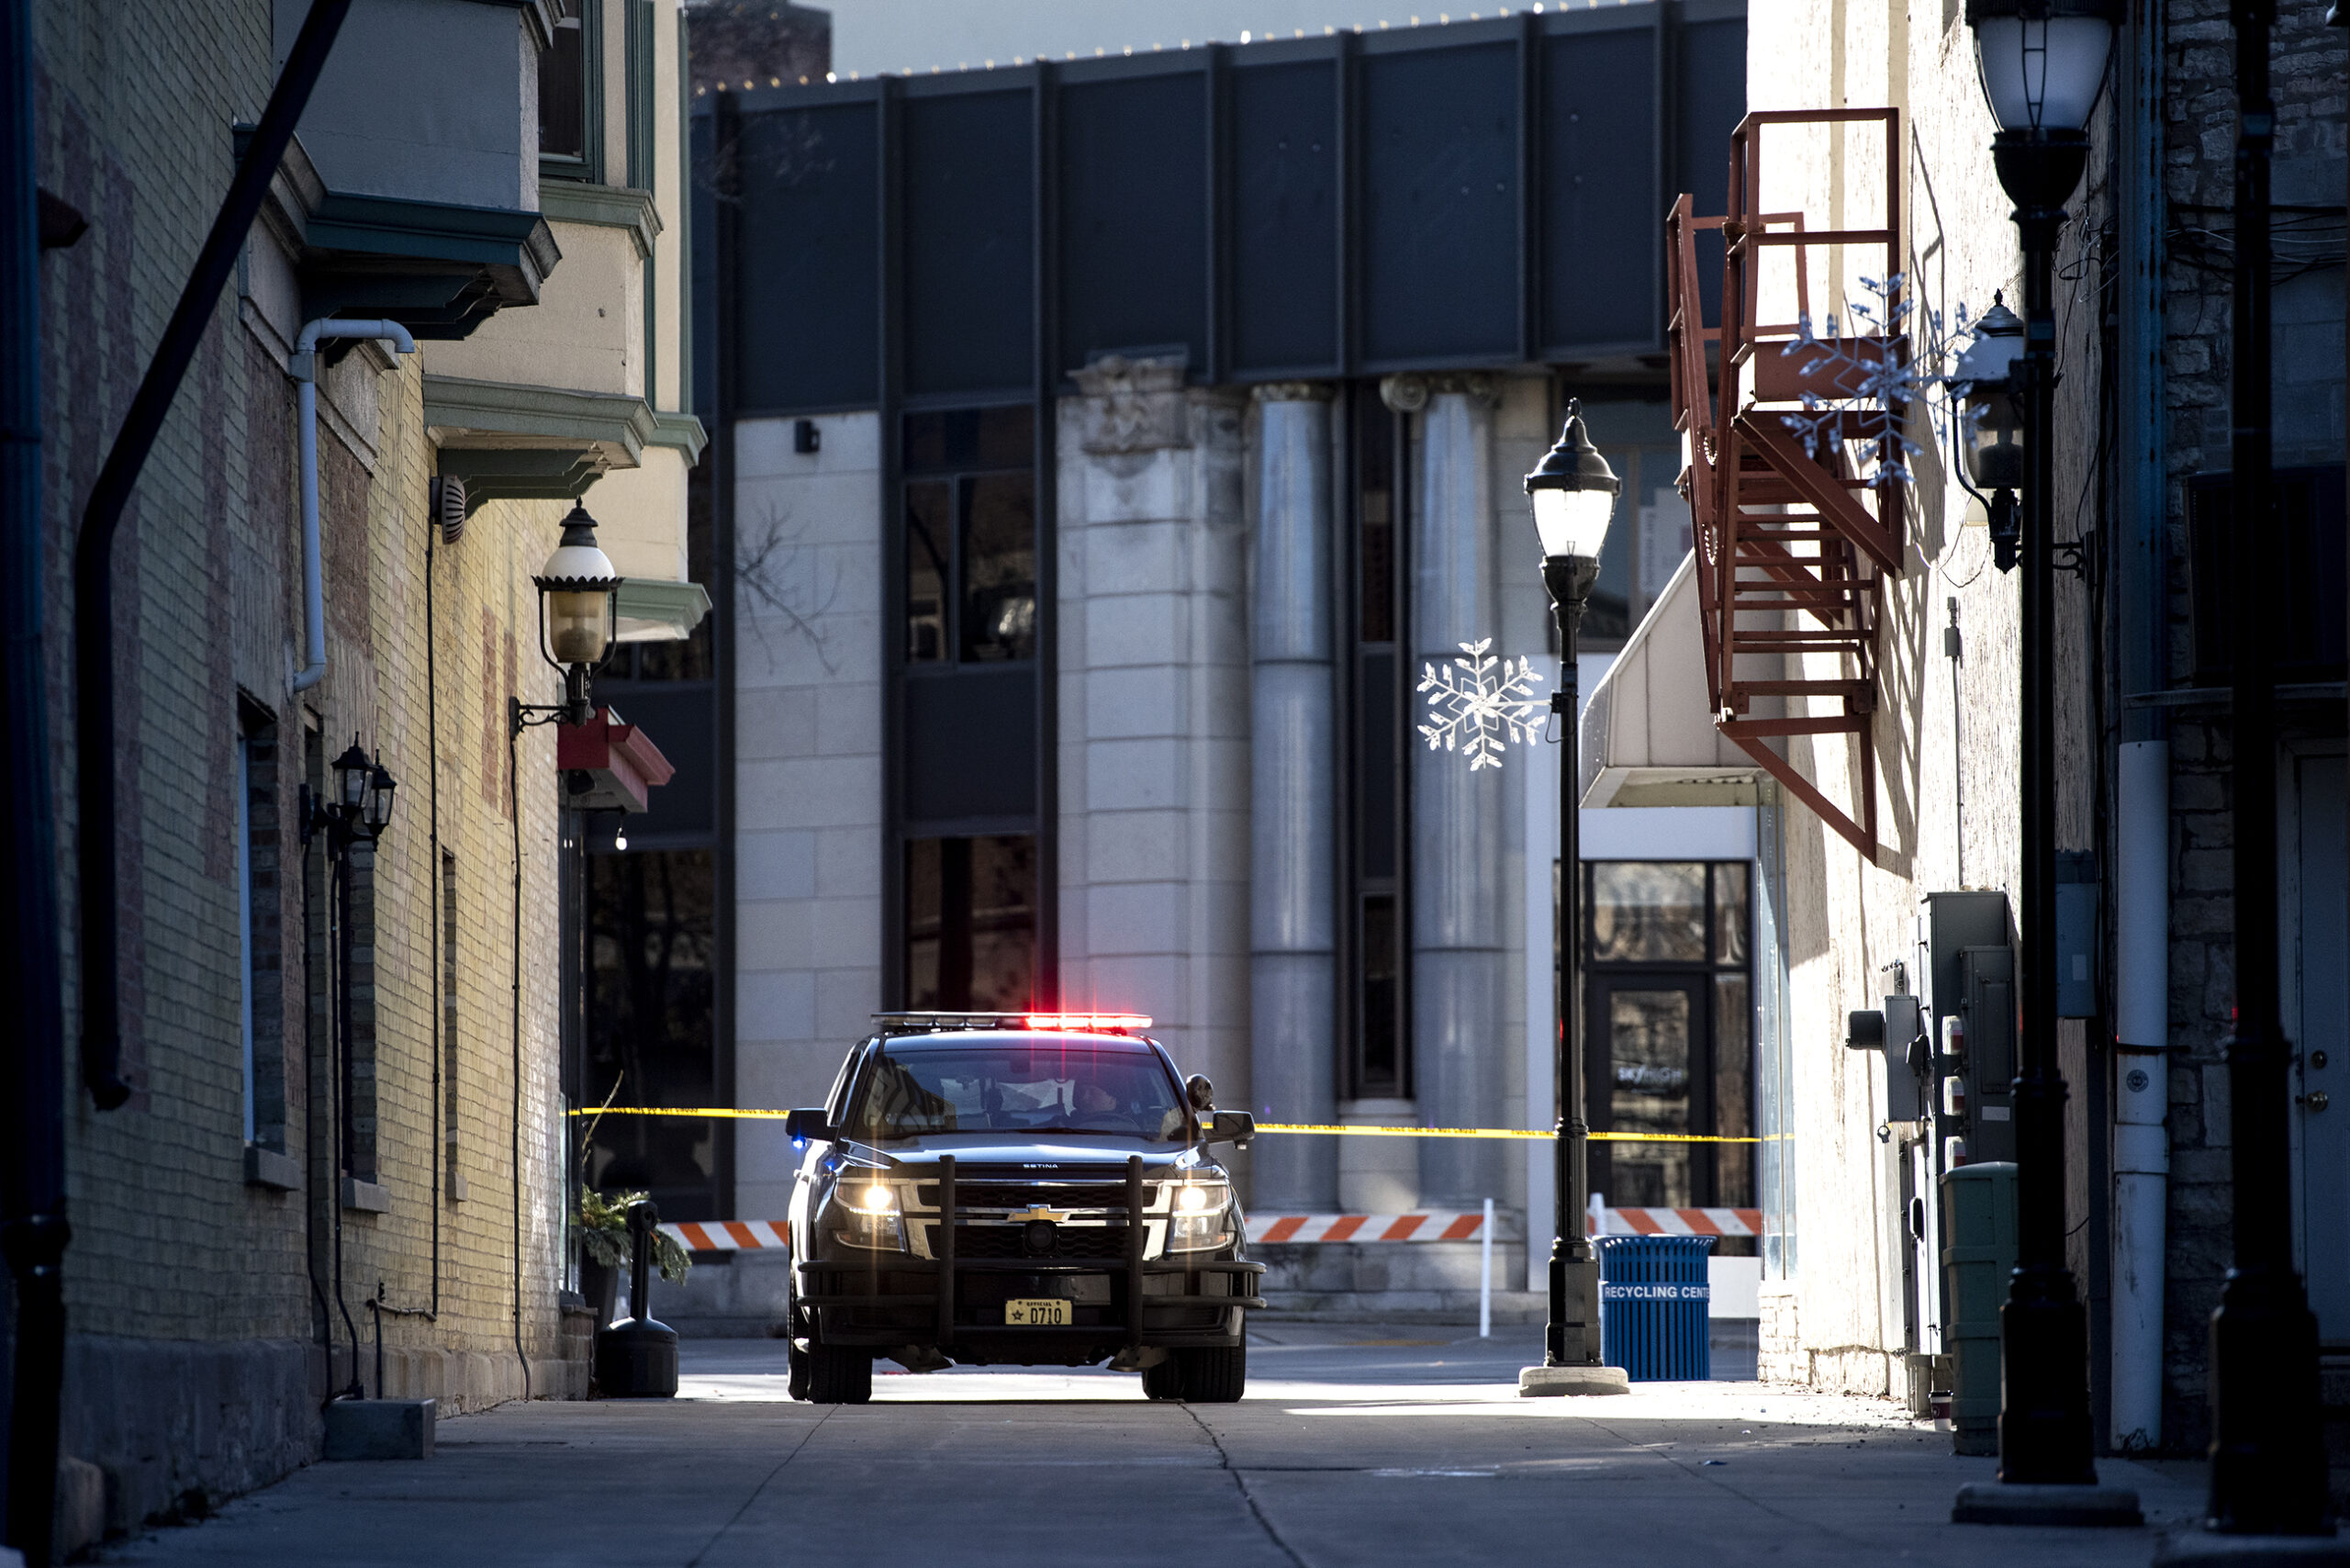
(1018, 1189)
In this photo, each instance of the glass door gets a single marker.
(1651, 1052)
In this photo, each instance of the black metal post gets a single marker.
(33, 1232)
(2268, 1466)
(2044, 1431)
(1572, 1336)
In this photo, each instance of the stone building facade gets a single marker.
(2142, 450)
(290, 1207)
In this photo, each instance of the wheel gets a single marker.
(1164, 1381)
(839, 1374)
(800, 1361)
(1215, 1375)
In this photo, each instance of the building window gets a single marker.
(651, 1036)
(970, 918)
(1376, 1064)
(261, 1005)
(1669, 1031)
(971, 549)
(569, 124)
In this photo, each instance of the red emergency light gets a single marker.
(1091, 1022)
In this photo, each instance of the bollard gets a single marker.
(637, 1357)
(1485, 1277)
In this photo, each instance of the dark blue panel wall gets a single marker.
(1479, 193)
(1285, 218)
(970, 241)
(1710, 99)
(810, 266)
(1133, 219)
(1601, 225)
(1441, 278)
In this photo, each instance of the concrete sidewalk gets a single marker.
(1354, 1446)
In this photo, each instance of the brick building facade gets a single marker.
(283, 1194)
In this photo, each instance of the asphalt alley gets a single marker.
(1356, 1445)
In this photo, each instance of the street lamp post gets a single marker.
(1574, 494)
(2268, 1465)
(354, 813)
(2043, 64)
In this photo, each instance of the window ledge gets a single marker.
(367, 1197)
(267, 1168)
(607, 207)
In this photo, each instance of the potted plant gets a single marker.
(604, 1252)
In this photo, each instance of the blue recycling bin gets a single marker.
(1654, 1300)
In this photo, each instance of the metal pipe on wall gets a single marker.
(2141, 900)
(305, 371)
(2142, 1088)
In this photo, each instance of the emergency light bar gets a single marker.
(1088, 1022)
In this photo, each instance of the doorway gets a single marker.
(2317, 930)
(1668, 1033)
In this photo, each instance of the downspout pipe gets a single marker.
(32, 1083)
(2141, 900)
(93, 699)
(305, 371)
(2141, 1089)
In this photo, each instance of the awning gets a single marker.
(606, 764)
(1648, 733)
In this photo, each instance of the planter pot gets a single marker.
(600, 1286)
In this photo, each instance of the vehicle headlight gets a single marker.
(1200, 1217)
(867, 1210)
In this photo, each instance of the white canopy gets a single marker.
(1648, 729)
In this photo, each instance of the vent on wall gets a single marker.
(448, 507)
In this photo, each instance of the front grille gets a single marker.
(1021, 1194)
(1010, 1241)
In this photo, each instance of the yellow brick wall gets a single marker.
(173, 1254)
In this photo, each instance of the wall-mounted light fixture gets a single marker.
(579, 620)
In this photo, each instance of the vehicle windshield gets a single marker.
(1026, 1086)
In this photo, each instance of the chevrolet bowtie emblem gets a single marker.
(1038, 1211)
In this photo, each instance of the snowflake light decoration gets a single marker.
(1479, 704)
(1880, 387)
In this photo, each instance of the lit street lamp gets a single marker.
(579, 620)
(2043, 66)
(1574, 494)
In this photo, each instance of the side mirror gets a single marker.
(1199, 1091)
(1238, 1128)
(802, 1126)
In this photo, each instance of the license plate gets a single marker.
(1046, 1311)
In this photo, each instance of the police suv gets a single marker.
(996, 1189)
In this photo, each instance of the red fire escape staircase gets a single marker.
(1793, 540)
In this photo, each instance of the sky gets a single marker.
(874, 35)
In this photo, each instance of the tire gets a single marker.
(839, 1374)
(1214, 1376)
(1164, 1381)
(800, 1361)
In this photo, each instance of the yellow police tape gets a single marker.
(1351, 1131)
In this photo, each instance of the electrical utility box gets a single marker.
(2076, 890)
(1972, 1024)
(1986, 1068)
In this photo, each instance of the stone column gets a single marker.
(1458, 905)
(1152, 546)
(1292, 777)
